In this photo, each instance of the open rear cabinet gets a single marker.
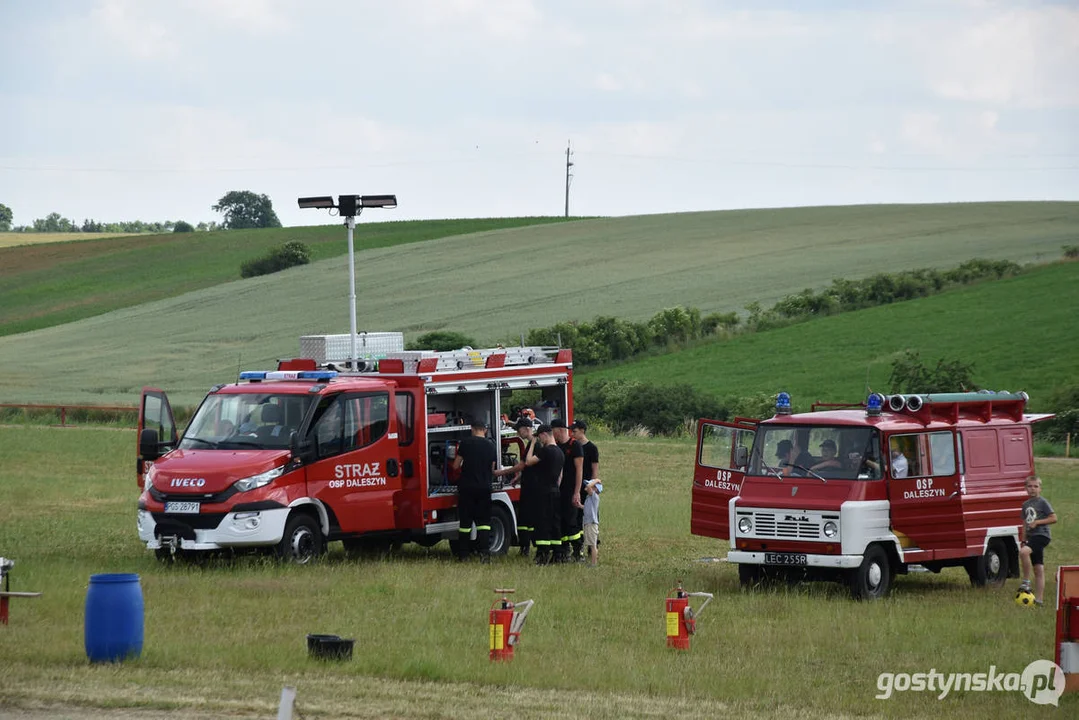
(155, 414)
(718, 473)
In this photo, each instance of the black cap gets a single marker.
(543, 429)
(479, 425)
(579, 425)
(828, 443)
(522, 422)
(558, 423)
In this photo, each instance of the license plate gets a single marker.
(182, 508)
(784, 559)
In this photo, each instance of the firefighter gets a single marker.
(528, 505)
(570, 507)
(476, 460)
(547, 461)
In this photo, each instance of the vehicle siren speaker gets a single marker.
(914, 403)
(896, 403)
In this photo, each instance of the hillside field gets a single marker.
(222, 639)
(43, 285)
(1019, 333)
(14, 239)
(497, 285)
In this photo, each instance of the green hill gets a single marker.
(497, 285)
(1019, 333)
(42, 285)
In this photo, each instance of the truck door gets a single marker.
(357, 471)
(717, 476)
(923, 490)
(155, 413)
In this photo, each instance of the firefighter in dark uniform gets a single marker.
(527, 507)
(547, 461)
(476, 459)
(570, 507)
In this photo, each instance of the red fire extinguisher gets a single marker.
(505, 622)
(681, 618)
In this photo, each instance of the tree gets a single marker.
(182, 226)
(5, 217)
(244, 209)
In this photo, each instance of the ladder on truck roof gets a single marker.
(413, 361)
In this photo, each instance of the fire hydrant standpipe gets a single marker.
(506, 619)
(681, 618)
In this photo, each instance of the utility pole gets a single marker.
(569, 176)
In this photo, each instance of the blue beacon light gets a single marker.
(783, 404)
(873, 404)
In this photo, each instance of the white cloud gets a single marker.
(136, 28)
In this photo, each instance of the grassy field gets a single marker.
(14, 239)
(46, 285)
(1019, 333)
(222, 639)
(497, 285)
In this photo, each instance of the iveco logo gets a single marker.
(187, 482)
(795, 518)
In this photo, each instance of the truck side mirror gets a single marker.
(741, 456)
(300, 447)
(149, 445)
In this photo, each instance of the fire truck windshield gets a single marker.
(256, 421)
(827, 452)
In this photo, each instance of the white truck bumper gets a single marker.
(242, 529)
(840, 562)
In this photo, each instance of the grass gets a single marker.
(496, 286)
(14, 239)
(1019, 334)
(46, 285)
(222, 638)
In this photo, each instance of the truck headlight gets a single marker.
(744, 525)
(148, 477)
(830, 529)
(257, 481)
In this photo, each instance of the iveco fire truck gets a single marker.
(858, 493)
(292, 458)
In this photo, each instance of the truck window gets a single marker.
(845, 453)
(367, 418)
(717, 446)
(232, 421)
(406, 417)
(942, 453)
(329, 427)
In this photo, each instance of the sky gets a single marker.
(153, 110)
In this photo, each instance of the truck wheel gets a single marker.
(749, 576)
(990, 569)
(501, 534)
(873, 578)
(302, 541)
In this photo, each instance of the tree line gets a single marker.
(242, 209)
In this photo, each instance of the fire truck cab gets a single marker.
(293, 458)
(859, 493)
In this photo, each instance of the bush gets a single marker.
(1071, 251)
(910, 375)
(1063, 401)
(182, 226)
(441, 341)
(624, 406)
(279, 258)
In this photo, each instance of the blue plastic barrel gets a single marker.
(113, 617)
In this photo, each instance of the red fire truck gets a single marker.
(293, 458)
(858, 493)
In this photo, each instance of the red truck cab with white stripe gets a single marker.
(291, 459)
(917, 481)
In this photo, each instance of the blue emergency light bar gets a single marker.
(287, 374)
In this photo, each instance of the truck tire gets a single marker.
(872, 579)
(302, 542)
(992, 568)
(502, 530)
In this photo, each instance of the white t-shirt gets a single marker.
(899, 465)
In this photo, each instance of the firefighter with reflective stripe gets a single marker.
(476, 459)
(570, 507)
(528, 506)
(547, 461)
